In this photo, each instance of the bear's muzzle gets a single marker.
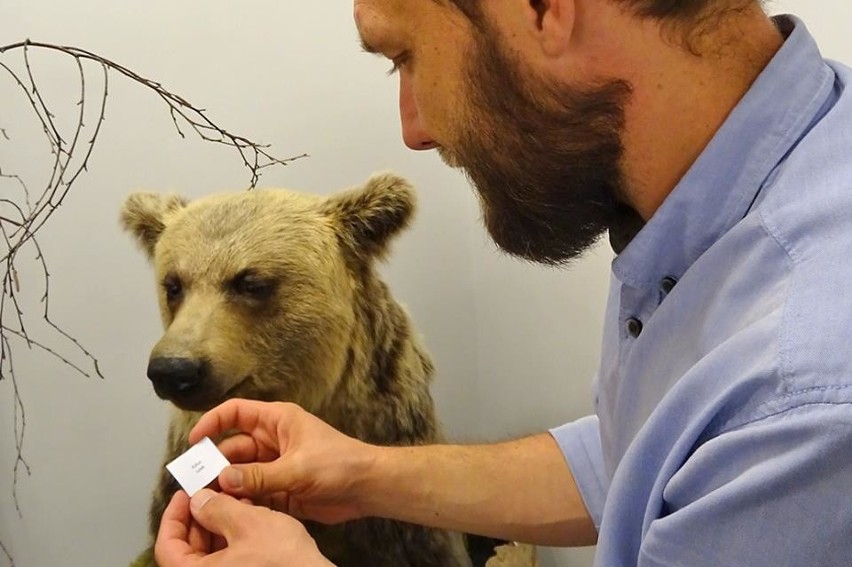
(176, 377)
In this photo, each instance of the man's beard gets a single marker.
(543, 158)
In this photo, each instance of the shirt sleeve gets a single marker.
(580, 442)
(770, 493)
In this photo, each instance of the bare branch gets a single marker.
(20, 182)
(194, 116)
(7, 554)
(20, 419)
(24, 215)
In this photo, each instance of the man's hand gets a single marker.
(292, 461)
(288, 459)
(216, 530)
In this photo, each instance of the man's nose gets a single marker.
(414, 135)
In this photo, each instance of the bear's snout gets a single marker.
(176, 377)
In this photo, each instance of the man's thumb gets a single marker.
(255, 479)
(218, 513)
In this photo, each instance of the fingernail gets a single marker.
(200, 498)
(233, 478)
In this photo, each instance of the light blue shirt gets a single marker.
(723, 434)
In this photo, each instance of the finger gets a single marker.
(217, 543)
(243, 448)
(279, 501)
(258, 480)
(220, 514)
(172, 547)
(199, 538)
(243, 415)
(263, 420)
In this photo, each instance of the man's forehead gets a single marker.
(365, 13)
(370, 9)
(374, 18)
(391, 27)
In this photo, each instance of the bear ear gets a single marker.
(143, 215)
(374, 213)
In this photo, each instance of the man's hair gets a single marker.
(682, 10)
(673, 9)
(688, 21)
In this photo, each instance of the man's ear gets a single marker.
(144, 216)
(372, 214)
(553, 22)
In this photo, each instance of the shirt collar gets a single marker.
(724, 181)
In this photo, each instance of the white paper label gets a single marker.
(198, 467)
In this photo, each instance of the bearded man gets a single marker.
(712, 142)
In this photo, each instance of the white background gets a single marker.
(516, 345)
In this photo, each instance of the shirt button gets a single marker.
(634, 327)
(667, 284)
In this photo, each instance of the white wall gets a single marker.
(515, 344)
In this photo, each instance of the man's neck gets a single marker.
(681, 97)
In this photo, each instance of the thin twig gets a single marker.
(19, 180)
(20, 417)
(24, 216)
(7, 554)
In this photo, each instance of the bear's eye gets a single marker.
(173, 287)
(251, 285)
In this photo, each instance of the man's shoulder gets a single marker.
(805, 205)
(791, 271)
(813, 182)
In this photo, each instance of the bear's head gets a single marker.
(257, 289)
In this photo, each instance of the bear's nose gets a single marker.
(175, 375)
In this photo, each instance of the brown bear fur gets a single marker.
(274, 295)
(513, 555)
